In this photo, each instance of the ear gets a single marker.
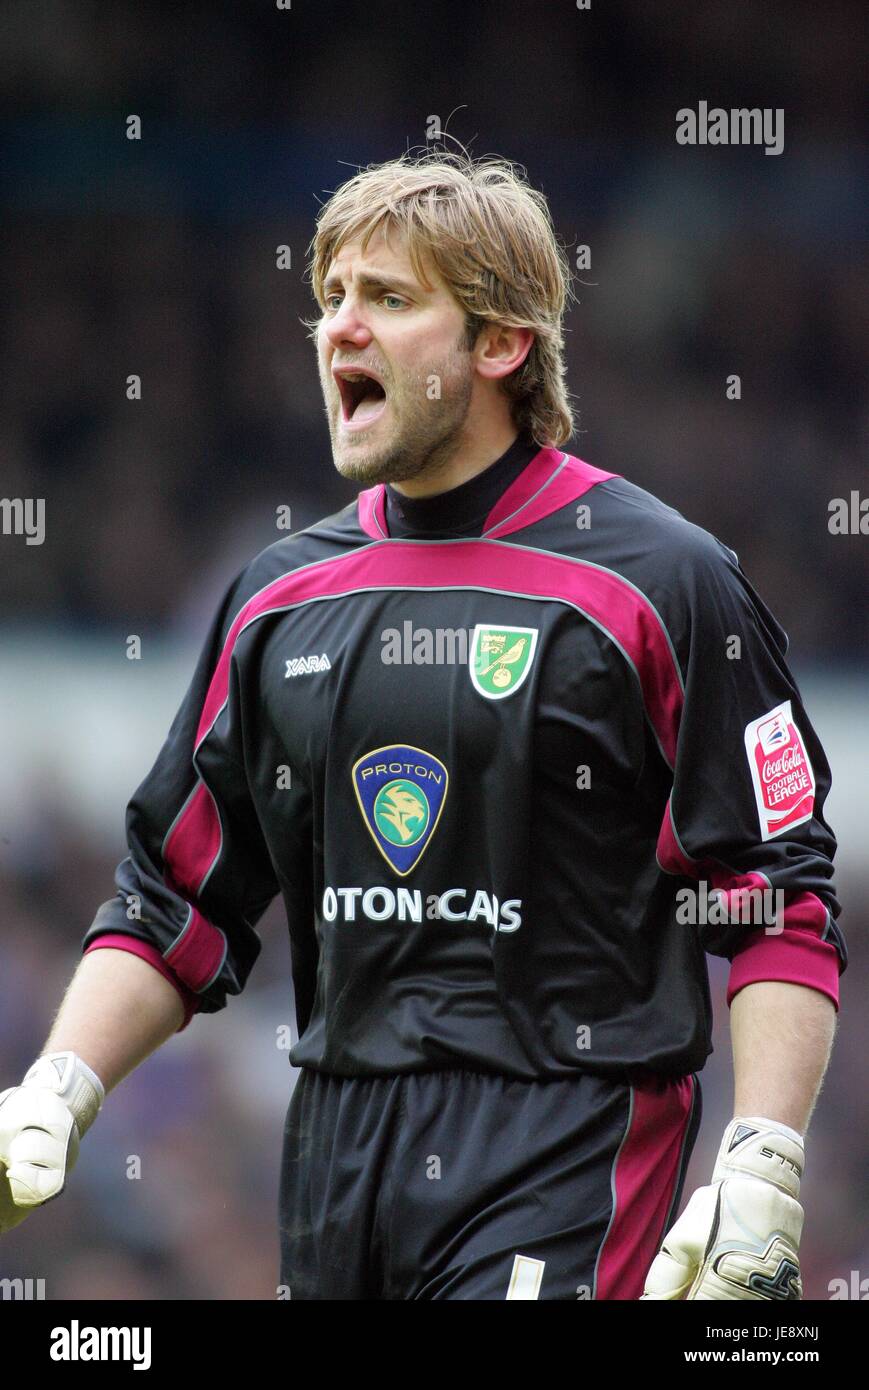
(499, 350)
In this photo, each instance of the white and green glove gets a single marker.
(739, 1238)
(41, 1123)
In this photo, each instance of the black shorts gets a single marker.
(463, 1185)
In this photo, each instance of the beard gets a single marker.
(421, 435)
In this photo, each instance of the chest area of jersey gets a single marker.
(458, 671)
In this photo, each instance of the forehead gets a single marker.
(387, 253)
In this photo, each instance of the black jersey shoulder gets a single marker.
(682, 570)
(629, 521)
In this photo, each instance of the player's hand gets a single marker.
(739, 1237)
(41, 1123)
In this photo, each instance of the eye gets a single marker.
(327, 302)
(398, 302)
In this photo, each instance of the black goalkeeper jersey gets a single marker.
(514, 765)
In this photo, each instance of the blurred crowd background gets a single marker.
(158, 257)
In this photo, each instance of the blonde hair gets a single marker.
(490, 237)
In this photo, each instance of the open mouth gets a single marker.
(362, 396)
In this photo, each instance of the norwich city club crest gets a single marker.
(401, 792)
(500, 659)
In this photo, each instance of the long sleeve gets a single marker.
(745, 815)
(198, 875)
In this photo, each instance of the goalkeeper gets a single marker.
(546, 753)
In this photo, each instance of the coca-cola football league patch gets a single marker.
(784, 783)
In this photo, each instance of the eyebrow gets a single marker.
(379, 280)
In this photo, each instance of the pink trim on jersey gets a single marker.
(807, 913)
(551, 480)
(728, 885)
(371, 510)
(145, 951)
(645, 1178)
(193, 844)
(191, 848)
(541, 488)
(615, 605)
(796, 953)
(198, 953)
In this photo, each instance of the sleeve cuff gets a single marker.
(794, 956)
(121, 942)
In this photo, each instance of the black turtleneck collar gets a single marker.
(462, 510)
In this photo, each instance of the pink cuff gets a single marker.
(120, 942)
(798, 957)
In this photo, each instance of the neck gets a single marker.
(470, 457)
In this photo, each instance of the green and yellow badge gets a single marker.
(500, 659)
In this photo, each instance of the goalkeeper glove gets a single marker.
(739, 1238)
(41, 1123)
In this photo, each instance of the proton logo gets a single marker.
(401, 812)
(401, 792)
(501, 658)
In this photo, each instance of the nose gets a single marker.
(347, 325)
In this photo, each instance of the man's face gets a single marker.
(408, 415)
